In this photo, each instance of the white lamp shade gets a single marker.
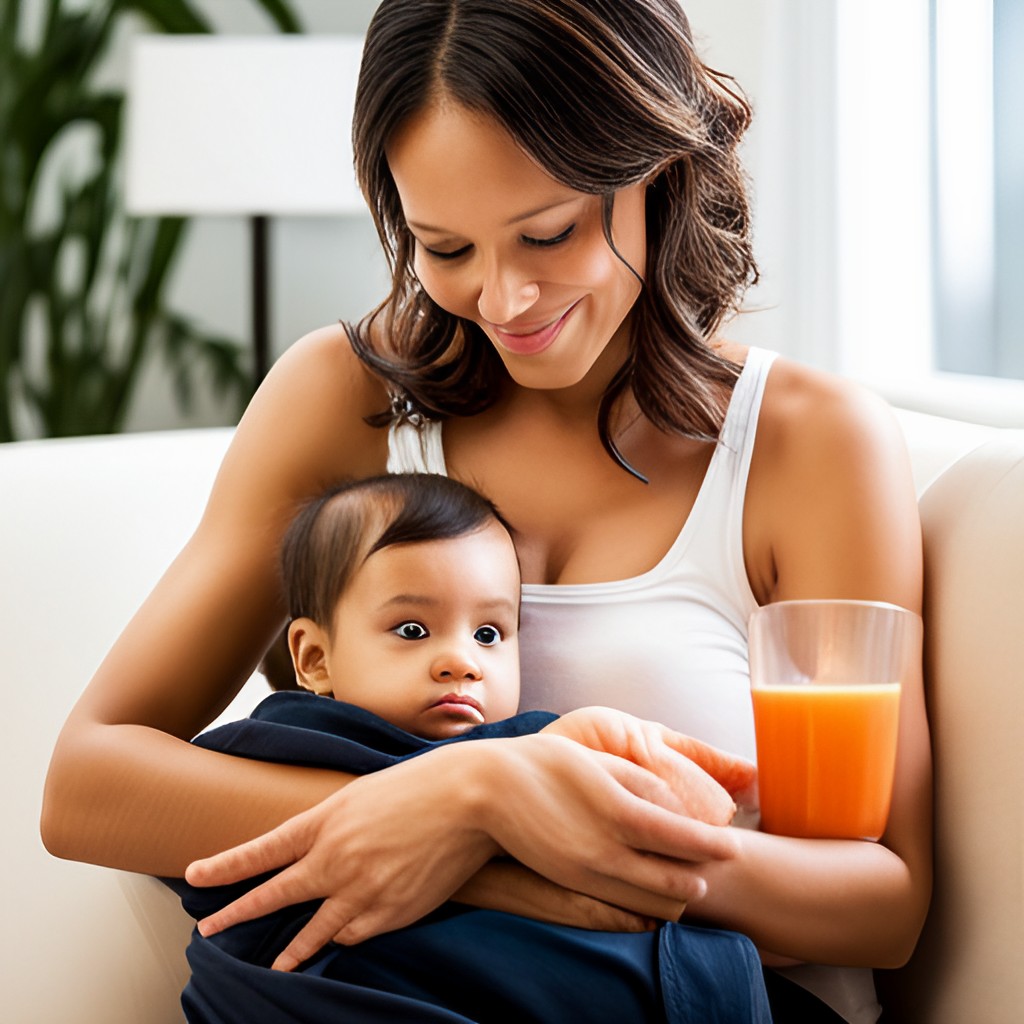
(231, 125)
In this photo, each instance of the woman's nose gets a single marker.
(453, 666)
(506, 293)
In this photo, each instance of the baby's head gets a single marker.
(403, 592)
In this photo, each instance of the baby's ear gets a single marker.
(308, 645)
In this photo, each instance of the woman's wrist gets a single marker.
(471, 777)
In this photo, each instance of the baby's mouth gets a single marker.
(460, 704)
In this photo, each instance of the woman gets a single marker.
(556, 184)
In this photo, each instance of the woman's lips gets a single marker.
(529, 343)
(459, 704)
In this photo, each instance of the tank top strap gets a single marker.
(709, 548)
(740, 427)
(415, 447)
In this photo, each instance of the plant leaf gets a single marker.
(282, 14)
(172, 16)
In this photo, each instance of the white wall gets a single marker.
(772, 49)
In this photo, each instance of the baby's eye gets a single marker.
(411, 631)
(487, 636)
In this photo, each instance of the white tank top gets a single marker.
(669, 645)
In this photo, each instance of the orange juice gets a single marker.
(825, 758)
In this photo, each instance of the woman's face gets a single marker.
(501, 243)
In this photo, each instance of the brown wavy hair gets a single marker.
(603, 94)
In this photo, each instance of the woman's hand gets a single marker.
(599, 824)
(392, 846)
(706, 780)
(381, 853)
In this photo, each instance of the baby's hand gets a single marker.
(705, 780)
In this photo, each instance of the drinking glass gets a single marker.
(825, 681)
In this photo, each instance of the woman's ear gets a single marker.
(308, 644)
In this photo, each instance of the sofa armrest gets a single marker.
(968, 963)
(87, 525)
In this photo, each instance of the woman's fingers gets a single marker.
(733, 773)
(683, 880)
(700, 796)
(323, 927)
(696, 772)
(656, 820)
(288, 888)
(284, 845)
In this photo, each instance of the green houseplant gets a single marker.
(88, 284)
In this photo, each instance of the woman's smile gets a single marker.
(526, 341)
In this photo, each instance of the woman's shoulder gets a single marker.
(830, 477)
(305, 428)
(323, 363)
(814, 422)
(807, 412)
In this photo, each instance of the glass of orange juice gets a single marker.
(825, 682)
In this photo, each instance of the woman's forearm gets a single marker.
(507, 886)
(821, 900)
(135, 798)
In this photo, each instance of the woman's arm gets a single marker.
(125, 788)
(507, 886)
(832, 508)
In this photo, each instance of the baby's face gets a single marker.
(425, 635)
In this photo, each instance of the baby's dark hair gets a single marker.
(334, 534)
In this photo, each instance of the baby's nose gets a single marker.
(454, 666)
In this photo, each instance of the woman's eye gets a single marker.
(411, 631)
(487, 636)
(540, 243)
(544, 243)
(454, 255)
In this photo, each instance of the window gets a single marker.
(929, 198)
(978, 91)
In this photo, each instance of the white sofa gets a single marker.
(86, 526)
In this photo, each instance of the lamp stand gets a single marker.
(260, 234)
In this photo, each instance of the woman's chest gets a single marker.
(578, 516)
